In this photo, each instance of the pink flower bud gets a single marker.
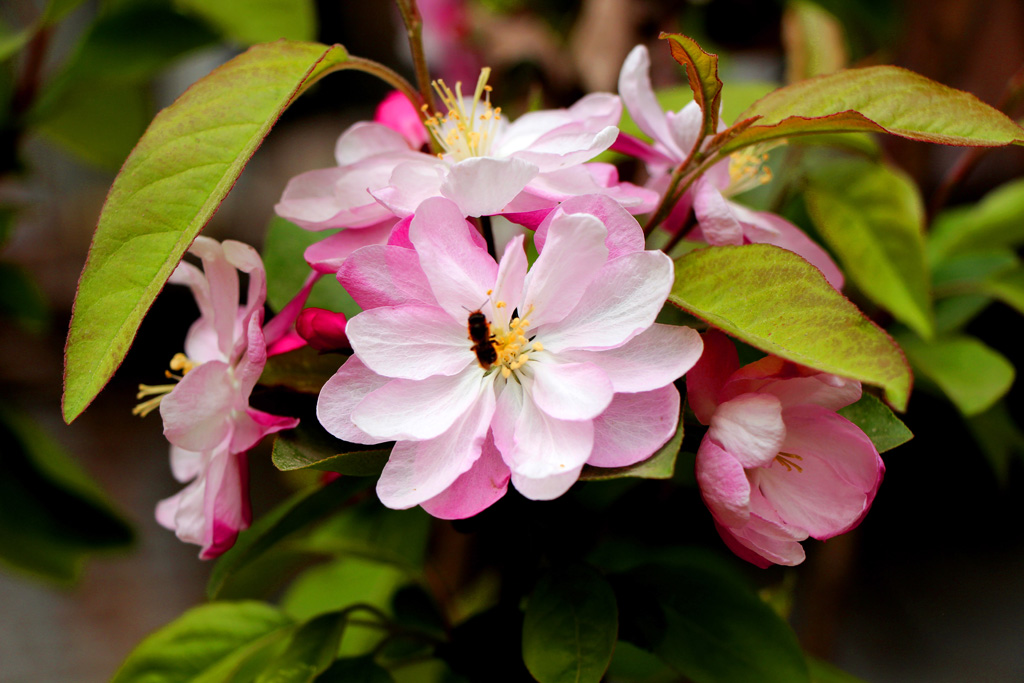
(324, 330)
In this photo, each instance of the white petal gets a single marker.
(413, 342)
(482, 186)
(571, 391)
(544, 445)
(547, 488)
(366, 139)
(341, 394)
(750, 428)
(638, 95)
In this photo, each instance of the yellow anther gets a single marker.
(463, 115)
(537, 346)
(786, 459)
(499, 304)
(505, 371)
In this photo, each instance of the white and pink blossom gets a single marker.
(778, 464)
(581, 373)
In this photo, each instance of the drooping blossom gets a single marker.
(488, 167)
(719, 219)
(778, 464)
(484, 372)
(206, 414)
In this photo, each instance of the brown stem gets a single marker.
(414, 31)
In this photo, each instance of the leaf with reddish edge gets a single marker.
(774, 300)
(702, 74)
(168, 189)
(883, 99)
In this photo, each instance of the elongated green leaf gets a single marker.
(707, 625)
(52, 515)
(884, 429)
(953, 314)
(773, 299)
(702, 75)
(872, 217)
(971, 374)
(967, 272)
(370, 530)
(166, 192)
(299, 511)
(257, 21)
(311, 650)
(308, 445)
(661, 465)
(571, 627)
(1008, 288)
(355, 670)
(305, 369)
(282, 253)
(813, 39)
(884, 99)
(200, 640)
(996, 221)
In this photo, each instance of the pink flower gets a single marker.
(207, 417)
(719, 220)
(482, 371)
(397, 113)
(778, 464)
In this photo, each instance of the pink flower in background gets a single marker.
(397, 113)
(206, 415)
(719, 220)
(565, 365)
(778, 464)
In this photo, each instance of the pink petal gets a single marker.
(365, 139)
(654, 358)
(196, 413)
(397, 113)
(634, 426)
(223, 280)
(621, 302)
(544, 445)
(385, 276)
(410, 184)
(482, 186)
(704, 382)
(341, 394)
(420, 470)
(574, 255)
(571, 391)
(414, 342)
(322, 329)
(182, 513)
(567, 146)
(252, 425)
(762, 227)
(508, 284)
(250, 366)
(476, 489)
(460, 273)
(623, 234)
(723, 484)
(191, 276)
(546, 488)
(283, 323)
(338, 197)
(185, 465)
(327, 255)
(635, 147)
(421, 409)
(716, 215)
(225, 503)
(815, 390)
(750, 428)
(638, 96)
(762, 543)
(686, 125)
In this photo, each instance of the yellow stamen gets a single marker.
(179, 362)
(787, 460)
(747, 170)
(462, 132)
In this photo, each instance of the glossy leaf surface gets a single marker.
(702, 75)
(884, 429)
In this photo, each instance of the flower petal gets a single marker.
(635, 426)
(420, 409)
(508, 284)
(716, 215)
(623, 234)
(723, 484)
(460, 273)
(654, 358)
(411, 182)
(420, 470)
(385, 276)
(638, 96)
(571, 391)
(621, 302)
(327, 255)
(476, 489)
(397, 113)
(546, 488)
(185, 464)
(762, 543)
(341, 394)
(367, 139)
(544, 445)
(414, 342)
(750, 428)
(196, 413)
(482, 186)
(704, 382)
(574, 255)
(226, 508)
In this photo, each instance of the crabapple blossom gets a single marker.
(206, 413)
(562, 365)
(778, 464)
(719, 220)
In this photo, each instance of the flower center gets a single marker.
(469, 128)
(787, 460)
(512, 346)
(747, 170)
(180, 363)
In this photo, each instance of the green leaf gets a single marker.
(287, 270)
(202, 639)
(972, 375)
(21, 300)
(313, 647)
(355, 670)
(294, 514)
(996, 221)
(571, 626)
(813, 40)
(823, 672)
(884, 429)
(883, 99)
(967, 272)
(305, 369)
(12, 40)
(998, 437)
(1007, 287)
(702, 75)
(952, 314)
(772, 299)
(52, 515)
(661, 465)
(372, 531)
(872, 217)
(257, 21)
(310, 445)
(168, 189)
(707, 625)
